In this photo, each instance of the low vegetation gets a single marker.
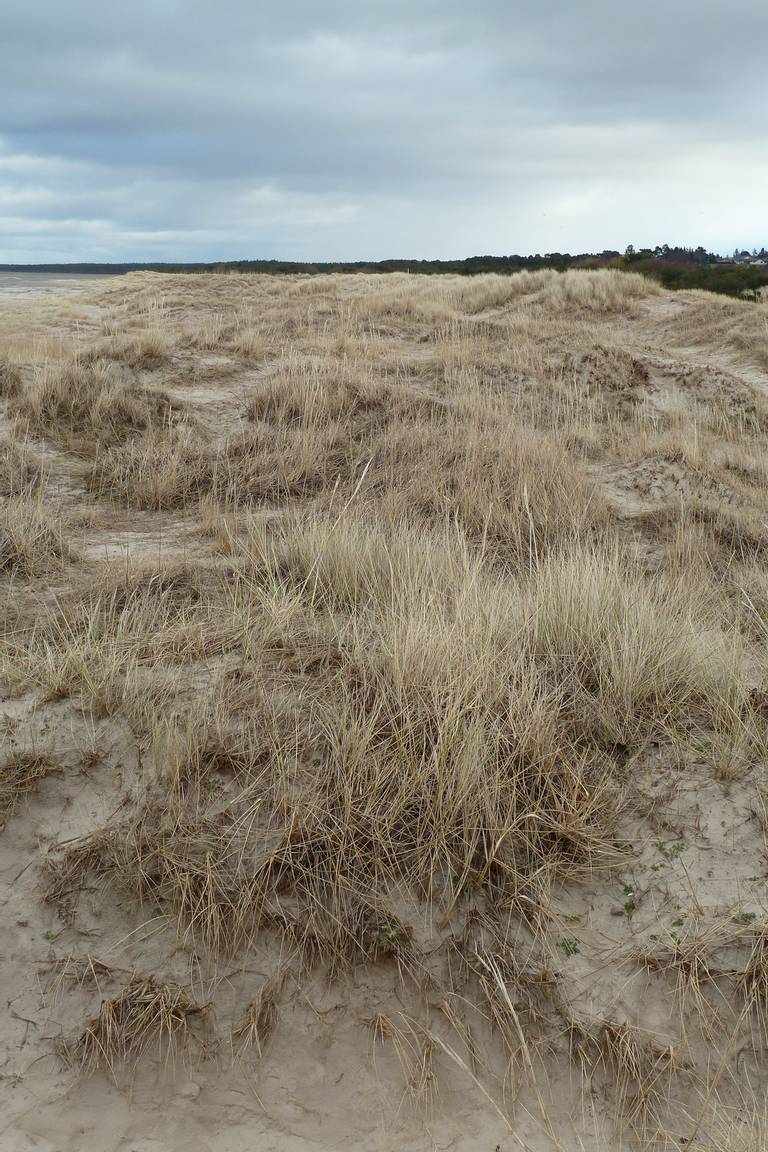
(31, 539)
(453, 606)
(88, 400)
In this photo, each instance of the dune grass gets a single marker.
(31, 539)
(85, 400)
(451, 579)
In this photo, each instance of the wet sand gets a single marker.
(35, 284)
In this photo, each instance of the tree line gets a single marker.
(674, 267)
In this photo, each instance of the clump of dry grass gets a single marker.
(437, 730)
(31, 539)
(502, 482)
(147, 1012)
(249, 343)
(219, 522)
(461, 714)
(166, 467)
(602, 290)
(210, 332)
(642, 1068)
(739, 534)
(89, 399)
(174, 467)
(753, 978)
(10, 379)
(259, 1020)
(20, 773)
(639, 647)
(147, 349)
(84, 971)
(415, 1048)
(64, 874)
(437, 299)
(102, 635)
(312, 392)
(20, 468)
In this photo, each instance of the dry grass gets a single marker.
(250, 344)
(31, 539)
(465, 557)
(458, 726)
(20, 469)
(88, 400)
(146, 1013)
(726, 324)
(693, 964)
(435, 674)
(643, 1070)
(436, 299)
(20, 773)
(753, 979)
(259, 1020)
(147, 350)
(730, 1133)
(164, 468)
(10, 379)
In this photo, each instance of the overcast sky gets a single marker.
(360, 129)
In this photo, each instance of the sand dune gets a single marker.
(384, 714)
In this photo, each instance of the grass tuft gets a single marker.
(146, 1013)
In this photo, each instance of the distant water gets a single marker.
(18, 285)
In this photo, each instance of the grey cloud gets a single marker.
(321, 128)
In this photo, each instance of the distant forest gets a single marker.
(743, 275)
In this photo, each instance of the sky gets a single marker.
(360, 129)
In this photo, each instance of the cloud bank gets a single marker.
(316, 129)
